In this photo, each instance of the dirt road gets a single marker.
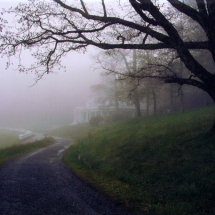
(39, 184)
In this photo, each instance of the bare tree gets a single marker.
(53, 28)
(115, 64)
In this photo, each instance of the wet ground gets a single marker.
(39, 184)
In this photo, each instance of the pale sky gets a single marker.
(50, 99)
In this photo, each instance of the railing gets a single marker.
(23, 136)
(25, 133)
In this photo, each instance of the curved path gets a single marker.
(39, 184)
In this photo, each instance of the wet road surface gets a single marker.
(39, 184)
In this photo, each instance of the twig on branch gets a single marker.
(122, 38)
(104, 8)
(145, 38)
(85, 9)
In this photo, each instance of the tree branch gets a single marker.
(182, 81)
(211, 8)
(104, 8)
(115, 20)
(125, 61)
(58, 28)
(195, 15)
(84, 8)
(137, 7)
(201, 7)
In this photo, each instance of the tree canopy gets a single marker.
(51, 29)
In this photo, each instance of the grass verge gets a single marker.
(156, 165)
(71, 131)
(17, 150)
(8, 138)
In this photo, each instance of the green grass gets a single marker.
(71, 131)
(156, 165)
(8, 138)
(18, 149)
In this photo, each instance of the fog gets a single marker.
(51, 101)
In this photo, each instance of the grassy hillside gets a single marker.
(71, 131)
(156, 165)
(15, 150)
(8, 138)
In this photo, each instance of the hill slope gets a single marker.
(156, 165)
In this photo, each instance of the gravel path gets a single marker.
(39, 184)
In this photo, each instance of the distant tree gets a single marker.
(135, 97)
(51, 29)
(118, 65)
(105, 93)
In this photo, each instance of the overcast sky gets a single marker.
(54, 96)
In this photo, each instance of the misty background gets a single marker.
(51, 101)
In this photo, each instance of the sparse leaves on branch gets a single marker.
(51, 29)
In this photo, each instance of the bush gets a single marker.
(117, 117)
(95, 121)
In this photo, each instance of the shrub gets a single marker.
(117, 117)
(95, 121)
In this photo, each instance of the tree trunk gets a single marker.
(137, 104)
(172, 99)
(154, 101)
(116, 104)
(212, 95)
(136, 96)
(147, 103)
(181, 100)
(116, 101)
(213, 128)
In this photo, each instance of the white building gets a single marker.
(84, 114)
